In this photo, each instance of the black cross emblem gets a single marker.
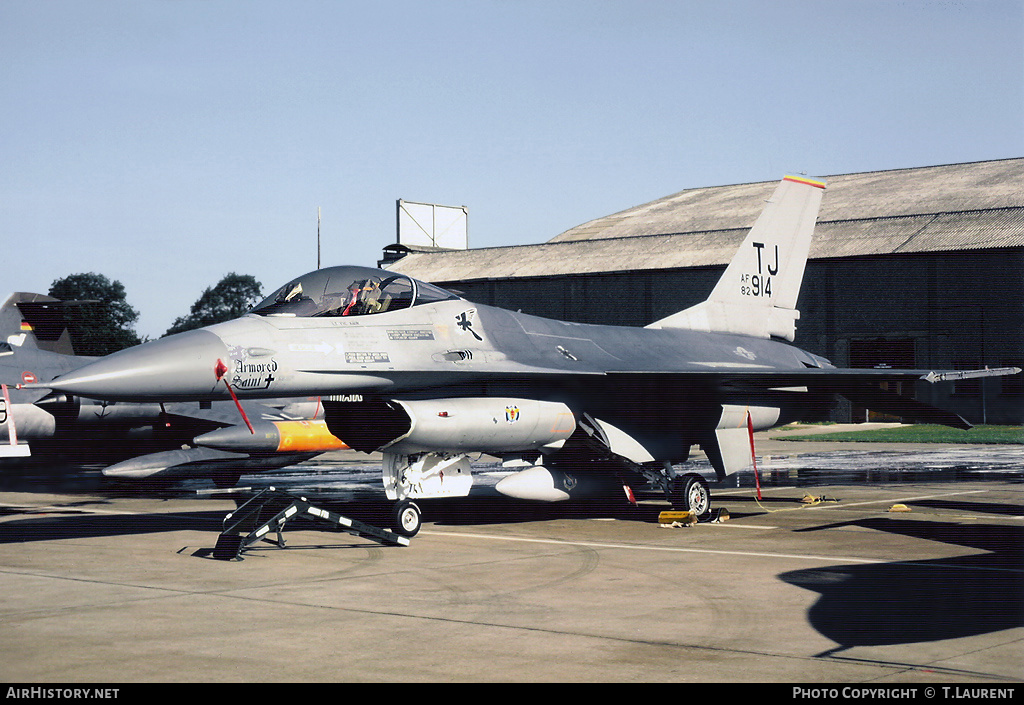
(462, 320)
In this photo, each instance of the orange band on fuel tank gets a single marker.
(306, 436)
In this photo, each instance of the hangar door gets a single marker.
(896, 353)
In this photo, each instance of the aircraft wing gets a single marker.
(198, 462)
(752, 376)
(860, 386)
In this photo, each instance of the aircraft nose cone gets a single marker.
(178, 367)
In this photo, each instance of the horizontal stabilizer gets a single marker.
(886, 402)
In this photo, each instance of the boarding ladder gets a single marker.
(270, 509)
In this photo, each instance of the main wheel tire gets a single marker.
(693, 494)
(405, 518)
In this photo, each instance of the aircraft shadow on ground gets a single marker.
(57, 523)
(1011, 510)
(484, 510)
(917, 601)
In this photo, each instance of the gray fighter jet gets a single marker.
(429, 378)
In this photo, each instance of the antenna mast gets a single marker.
(318, 237)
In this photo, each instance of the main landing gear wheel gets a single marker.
(405, 518)
(691, 493)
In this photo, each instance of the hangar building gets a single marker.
(919, 268)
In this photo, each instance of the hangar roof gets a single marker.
(977, 205)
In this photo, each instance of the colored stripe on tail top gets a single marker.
(804, 180)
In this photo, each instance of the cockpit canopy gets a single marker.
(348, 291)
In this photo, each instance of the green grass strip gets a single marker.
(922, 433)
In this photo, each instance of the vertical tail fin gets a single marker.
(15, 331)
(35, 321)
(757, 293)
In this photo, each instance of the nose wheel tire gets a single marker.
(405, 518)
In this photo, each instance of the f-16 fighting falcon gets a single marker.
(428, 378)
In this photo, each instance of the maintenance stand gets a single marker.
(270, 509)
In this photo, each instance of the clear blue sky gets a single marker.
(166, 143)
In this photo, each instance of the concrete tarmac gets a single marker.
(105, 584)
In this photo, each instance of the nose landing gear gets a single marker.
(406, 518)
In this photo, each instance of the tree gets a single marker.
(104, 322)
(233, 296)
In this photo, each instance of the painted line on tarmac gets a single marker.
(639, 547)
(896, 499)
(55, 509)
(741, 491)
(843, 505)
(735, 525)
(832, 559)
